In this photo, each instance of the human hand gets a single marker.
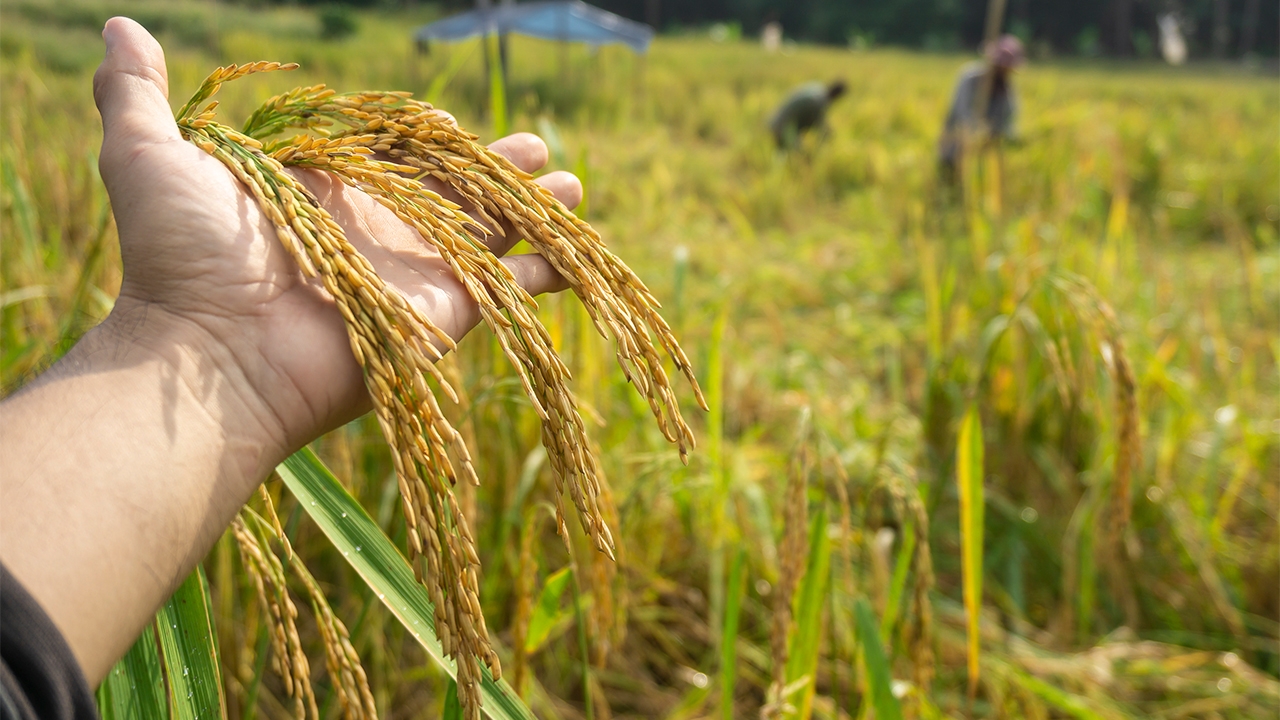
(201, 261)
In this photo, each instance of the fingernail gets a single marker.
(108, 35)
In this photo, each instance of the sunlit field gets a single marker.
(1066, 373)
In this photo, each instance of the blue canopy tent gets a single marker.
(564, 20)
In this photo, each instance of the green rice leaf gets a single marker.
(452, 708)
(879, 679)
(497, 85)
(134, 689)
(345, 522)
(802, 660)
(969, 480)
(728, 644)
(547, 615)
(189, 648)
(178, 650)
(898, 584)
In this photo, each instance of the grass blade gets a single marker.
(179, 650)
(497, 84)
(969, 479)
(587, 701)
(879, 679)
(547, 615)
(444, 77)
(134, 689)
(898, 583)
(802, 660)
(345, 522)
(190, 651)
(728, 641)
(452, 709)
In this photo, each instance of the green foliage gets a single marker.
(172, 669)
(336, 23)
(805, 644)
(547, 614)
(452, 708)
(729, 635)
(353, 533)
(134, 688)
(878, 672)
(969, 480)
(497, 84)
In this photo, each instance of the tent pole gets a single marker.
(564, 48)
(503, 46)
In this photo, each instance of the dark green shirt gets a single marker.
(804, 109)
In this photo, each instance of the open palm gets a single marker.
(196, 248)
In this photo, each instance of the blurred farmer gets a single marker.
(983, 108)
(803, 110)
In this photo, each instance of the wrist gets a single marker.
(204, 377)
(131, 456)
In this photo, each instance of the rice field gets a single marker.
(1006, 453)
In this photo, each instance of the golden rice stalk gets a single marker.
(345, 671)
(269, 507)
(848, 560)
(900, 482)
(1099, 313)
(287, 656)
(386, 146)
(526, 578)
(792, 558)
(607, 613)
(1096, 313)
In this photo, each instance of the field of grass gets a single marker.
(1069, 377)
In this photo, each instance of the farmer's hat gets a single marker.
(1006, 52)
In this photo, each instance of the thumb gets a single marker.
(131, 89)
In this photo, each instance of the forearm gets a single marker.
(119, 469)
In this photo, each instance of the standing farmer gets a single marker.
(983, 86)
(804, 109)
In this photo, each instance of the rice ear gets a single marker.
(386, 145)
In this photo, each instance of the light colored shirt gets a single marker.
(1002, 108)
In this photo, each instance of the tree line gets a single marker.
(1221, 29)
(1119, 28)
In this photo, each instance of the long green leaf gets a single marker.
(444, 77)
(802, 658)
(547, 614)
(190, 652)
(898, 583)
(728, 642)
(134, 689)
(178, 649)
(452, 708)
(969, 480)
(383, 569)
(497, 84)
(879, 679)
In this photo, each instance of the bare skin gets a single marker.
(124, 463)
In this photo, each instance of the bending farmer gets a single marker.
(804, 109)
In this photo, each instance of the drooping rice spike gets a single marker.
(386, 145)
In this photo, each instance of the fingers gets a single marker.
(525, 150)
(565, 186)
(131, 89)
(535, 274)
